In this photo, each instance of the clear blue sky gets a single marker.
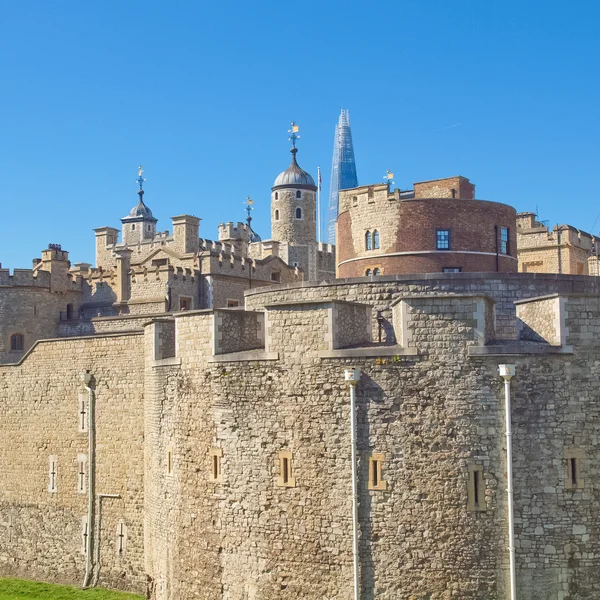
(506, 93)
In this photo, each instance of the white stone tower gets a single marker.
(293, 215)
(139, 224)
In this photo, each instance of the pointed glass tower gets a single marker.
(343, 170)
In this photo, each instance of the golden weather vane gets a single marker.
(140, 178)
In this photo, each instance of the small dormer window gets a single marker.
(298, 194)
(298, 213)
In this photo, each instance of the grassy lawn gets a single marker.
(18, 589)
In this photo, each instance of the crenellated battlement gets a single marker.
(25, 278)
(238, 232)
(368, 196)
(163, 273)
(326, 248)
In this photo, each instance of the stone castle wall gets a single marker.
(433, 418)
(208, 386)
(562, 249)
(382, 292)
(41, 534)
(29, 308)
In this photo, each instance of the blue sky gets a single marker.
(506, 93)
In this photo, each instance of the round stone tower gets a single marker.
(293, 206)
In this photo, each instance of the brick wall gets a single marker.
(407, 234)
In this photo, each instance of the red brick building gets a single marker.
(437, 227)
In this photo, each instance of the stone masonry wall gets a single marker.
(33, 312)
(381, 292)
(238, 330)
(41, 534)
(432, 418)
(539, 320)
(351, 324)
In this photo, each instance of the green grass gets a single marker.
(18, 589)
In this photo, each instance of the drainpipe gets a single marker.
(352, 376)
(507, 372)
(558, 248)
(497, 251)
(96, 564)
(86, 378)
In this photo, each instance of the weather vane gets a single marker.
(140, 178)
(249, 207)
(293, 134)
(389, 176)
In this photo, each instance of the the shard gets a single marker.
(343, 170)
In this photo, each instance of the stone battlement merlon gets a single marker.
(326, 248)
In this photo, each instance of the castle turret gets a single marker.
(55, 260)
(293, 205)
(293, 213)
(185, 233)
(139, 224)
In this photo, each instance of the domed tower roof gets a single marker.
(294, 176)
(139, 212)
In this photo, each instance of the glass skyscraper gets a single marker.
(343, 170)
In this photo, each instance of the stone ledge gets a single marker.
(368, 352)
(557, 295)
(514, 349)
(247, 355)
(76, 338)
(166, 362)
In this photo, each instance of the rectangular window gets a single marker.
(286, 475)
(232, 303)
(504, 240)
(376, 481)
(81, 473)
(442, 239)
(215, 464)
(185, 303)
(451, 269)
(476, 489)
(52, 474)
(574, 475)
(276, 276)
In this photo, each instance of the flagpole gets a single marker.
(319, 204)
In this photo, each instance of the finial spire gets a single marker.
(294, 136)
(140, 178)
